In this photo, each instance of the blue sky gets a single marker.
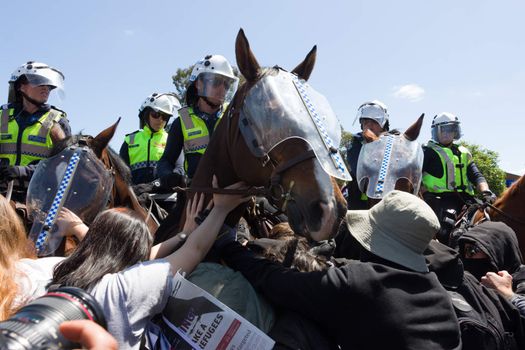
(465, 57)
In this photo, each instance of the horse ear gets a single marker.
(369, 135)
(101, 141)
(305, 68)
(246, 61)
(412, 132)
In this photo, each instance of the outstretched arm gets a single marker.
(200, 241)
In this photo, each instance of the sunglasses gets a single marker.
(157, 115)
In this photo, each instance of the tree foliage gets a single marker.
(487, 162)
(180, 80)
(346, 138)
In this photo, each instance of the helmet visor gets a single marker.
(46, 76)
(372, 111)
(217, 86)
(446, 133)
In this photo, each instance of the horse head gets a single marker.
(268, 137)
(84, 175)
(390, 161)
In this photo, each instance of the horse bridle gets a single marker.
(274, 190)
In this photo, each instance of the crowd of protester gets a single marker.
(389, 281)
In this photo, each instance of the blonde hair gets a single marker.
(14, 245)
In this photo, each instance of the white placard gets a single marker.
(206, 323)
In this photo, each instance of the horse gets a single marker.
(260, 141)
(510, 209)
(390, 161)
(85, 175)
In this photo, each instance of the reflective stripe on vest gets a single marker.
(194, 131)
(138, 142)
(454, 171)
(36, 141)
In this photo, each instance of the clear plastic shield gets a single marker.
(281, 106)
(385, 161)
(74, 179)
(50, 77)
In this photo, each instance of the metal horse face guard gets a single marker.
(384, 162)
(282, 106)
(76, 179)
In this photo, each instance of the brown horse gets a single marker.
(101, 180)
(292, 176)
(390, 161)
(510, 209)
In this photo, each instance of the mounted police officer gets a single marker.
(29, 127)
(449, 174)
(211, 85)
(374, 116)
(143, 148)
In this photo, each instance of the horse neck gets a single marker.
(216, 160)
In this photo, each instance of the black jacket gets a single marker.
(362, 305)
(500, 243)
(490, 308)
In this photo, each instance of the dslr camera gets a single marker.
(36, 325)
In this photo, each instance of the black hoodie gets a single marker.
(486, 306)
(499, 242)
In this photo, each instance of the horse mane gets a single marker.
(120, 166)
(288, 246)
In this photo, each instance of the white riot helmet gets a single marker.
(445, 128)
(35, 73)
(214, 71)
(164, 104)
(375, 110)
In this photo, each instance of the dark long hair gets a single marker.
(116, 239)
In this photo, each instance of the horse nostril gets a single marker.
(318, 207)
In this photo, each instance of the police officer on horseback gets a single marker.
(374, 116)
(143, 148)
(29, 127)
(211, 85)
(449, 174)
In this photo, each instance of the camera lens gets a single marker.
(35, 326)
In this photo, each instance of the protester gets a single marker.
(388, 297)
(143, 148)
(487, 321)
(110, 263)
(491, 247)
(23, 277)
(28, 125)
(449, 173)
(211, 85)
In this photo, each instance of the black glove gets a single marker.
(9, 173)
(172, 180)
(489, 197)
